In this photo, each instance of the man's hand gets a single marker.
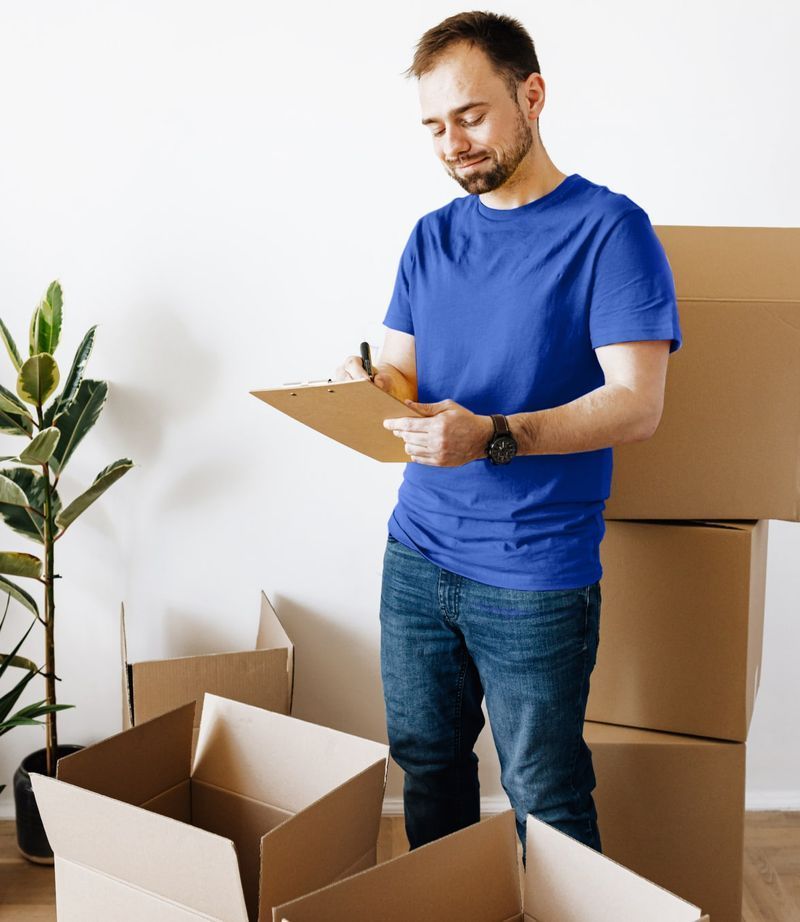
(448, 436)
(386, 377)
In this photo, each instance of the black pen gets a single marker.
(366, 360)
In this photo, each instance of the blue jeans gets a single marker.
(446, 641)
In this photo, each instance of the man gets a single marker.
(530, 323)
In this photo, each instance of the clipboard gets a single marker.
(350, 412)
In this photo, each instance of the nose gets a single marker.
(454, 145)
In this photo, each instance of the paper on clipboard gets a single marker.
(350, 412)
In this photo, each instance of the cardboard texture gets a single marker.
(475, 875)
(727, 444)
(671, 808)
(349, 412)
(270, 807)
(263, 677)
(681, 626)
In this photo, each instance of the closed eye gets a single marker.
(467, 124)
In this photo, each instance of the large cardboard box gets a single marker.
(728, 445)
(263, 677)
(671, 808)
(270, 807)
(474, 875)
(681, 626)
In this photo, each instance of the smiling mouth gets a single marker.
(465, 166)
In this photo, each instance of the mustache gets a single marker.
(465, 162)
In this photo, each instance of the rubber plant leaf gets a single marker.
(31, 484)
(17, 563)
(18, 593)
(73, 379)
(38, 378)
(11, 346)
(77, 419)
(101, 483)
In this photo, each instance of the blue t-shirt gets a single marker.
(507, 307)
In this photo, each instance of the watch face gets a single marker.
(503, 449)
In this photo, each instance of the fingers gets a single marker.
(350, 370)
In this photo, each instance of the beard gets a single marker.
(490, 175)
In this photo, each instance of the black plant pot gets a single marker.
(31, 838)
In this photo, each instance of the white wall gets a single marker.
(225, 189)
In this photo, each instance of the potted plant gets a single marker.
(30, 505)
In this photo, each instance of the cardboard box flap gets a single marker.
(471, 875)
(353, 810)
(733, 263)
(257, 677)
(271, 634)
(138, 764)
(276, 759)
(172, 860)
(567, 881)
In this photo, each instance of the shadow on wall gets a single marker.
(337, 672)
(175, 373)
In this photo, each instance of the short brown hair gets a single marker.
(504, 40)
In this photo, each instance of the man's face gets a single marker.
(480, 146)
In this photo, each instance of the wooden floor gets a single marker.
(771, 870)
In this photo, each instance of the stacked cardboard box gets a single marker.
(684, 567)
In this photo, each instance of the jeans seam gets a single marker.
(579, 736)
(459, 718)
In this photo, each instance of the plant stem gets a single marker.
(51, 729)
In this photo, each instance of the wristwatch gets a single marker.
(502, 446)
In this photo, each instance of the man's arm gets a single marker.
(397, 371)
(627, 408)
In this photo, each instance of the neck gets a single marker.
(535, 176)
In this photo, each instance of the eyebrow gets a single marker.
(456, 111)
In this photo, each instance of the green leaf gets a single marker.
(16, 563)
(74, 378)
(101, 483)
(16, 425)
(32, 484)
(18, 593)
(11, 492)
(25, 716)
(55, 301)
(7, 659)
(38, 378)
(11, 346)
(45, 329)
(19, 661)
(77, 419)
(40, 449)
(14, 416)
(10, 403)
(10, 698)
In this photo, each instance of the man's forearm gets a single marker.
(401, 387)
(609, 415)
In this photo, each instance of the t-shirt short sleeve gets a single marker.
(398, 315)
(633, 291)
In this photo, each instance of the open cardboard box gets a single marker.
(671, 808)
(475, 875)
(263, 677)
(728, 444)
(682, 626)
(269, 808)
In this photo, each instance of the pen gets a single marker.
(366, 360)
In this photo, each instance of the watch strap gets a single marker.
(500, 425)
